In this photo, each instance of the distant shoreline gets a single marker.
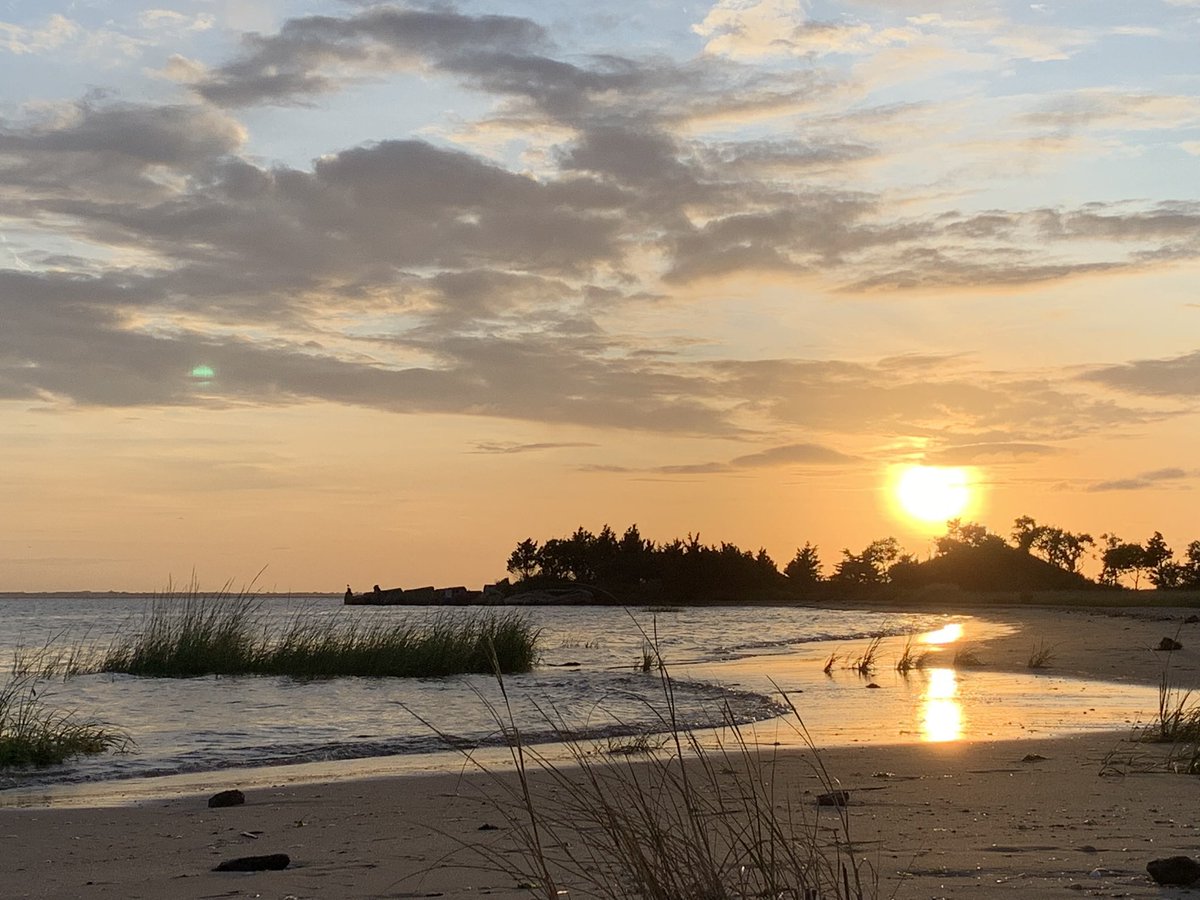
(937, 597)
(141, 595)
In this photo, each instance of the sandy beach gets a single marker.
(971, 818)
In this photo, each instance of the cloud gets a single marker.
(175, 23)
(1172, 377)
(791, 454)
(746, 29)
(1144, 481)
(415, 276)
(508, 448)
(57, 31)
(989, 452)
(319, 54)
(807, 454)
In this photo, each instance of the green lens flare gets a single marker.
(202, 373)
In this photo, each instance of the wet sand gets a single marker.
(972, 817)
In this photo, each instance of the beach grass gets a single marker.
(1178, 719)
(909, 659)
(35, 734)
(701, 816)
(866, 663)
(448, 645)
(1040, 656)
(190, 634)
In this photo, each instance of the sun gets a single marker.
(933, 493)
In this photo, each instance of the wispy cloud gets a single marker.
(511, 447)
(1145, 481)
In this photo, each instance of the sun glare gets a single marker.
(933, 493)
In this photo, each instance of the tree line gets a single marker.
(1033, 556)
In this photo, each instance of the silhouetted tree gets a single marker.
(1060, 547)
(871, 565)
(1025, 532)
(1159, 561)
(523, 561)
(1189, 570)
(1120, 557)
(964, 534)
(805, 567)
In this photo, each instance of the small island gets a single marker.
(604, 569)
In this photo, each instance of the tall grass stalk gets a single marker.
(34, 734)
(702, 822)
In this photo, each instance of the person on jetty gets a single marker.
(349, 593)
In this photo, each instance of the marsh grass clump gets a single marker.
(1177, 723)
(1178, 718)
(700, 821)
(188, 635)
(967, 658)
(228, 634)
(34, 734)
(1041, 656)
(446, 646)
(909, 659)
(650, 659)
(868, 660)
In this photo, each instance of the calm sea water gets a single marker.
(724, 662)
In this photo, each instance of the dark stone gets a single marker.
(1192, 619)
(1033, 757)
(227, 798)
(488, 827)
(270, 861)
(874, 686)
(1181, 870)
(1169, 644)
(834, 798)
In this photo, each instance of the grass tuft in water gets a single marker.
(227, 634)
(34, 734)
(448, 645)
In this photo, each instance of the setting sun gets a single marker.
(933, 493)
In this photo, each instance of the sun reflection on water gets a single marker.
(941, 713)
(947, 634)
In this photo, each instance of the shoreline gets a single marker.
(965, 818)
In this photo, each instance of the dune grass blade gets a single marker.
(192, 635)
(33, 734)
(702, 822)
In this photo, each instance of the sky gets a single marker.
(354, 292)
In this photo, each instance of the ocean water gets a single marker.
(726, 664)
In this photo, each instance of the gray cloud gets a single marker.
(786, 455)
(293, 65)
(508, 448)
(1143, 481)
(989, 452)
(1174, 377)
